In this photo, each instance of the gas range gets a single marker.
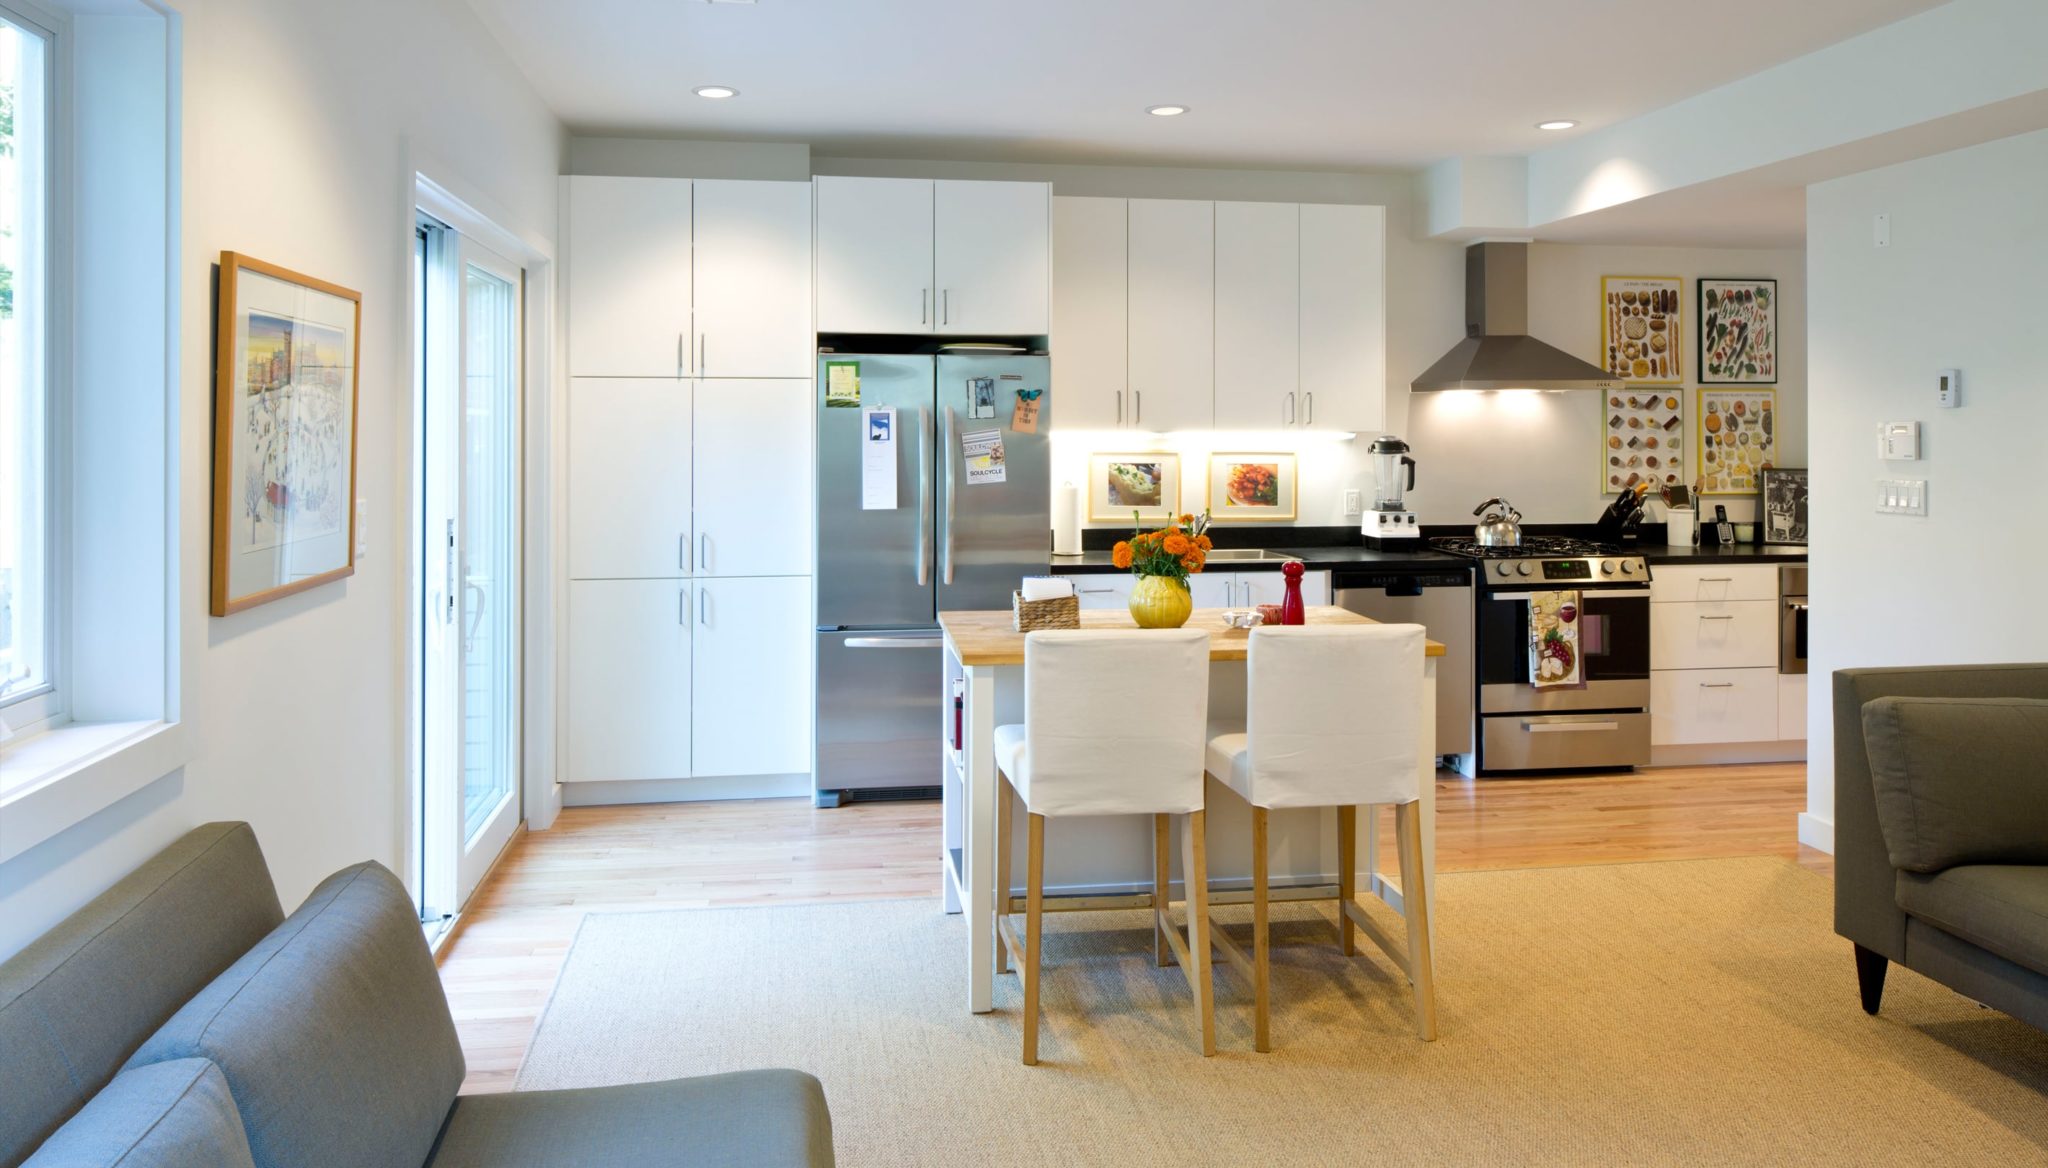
(1554, 561)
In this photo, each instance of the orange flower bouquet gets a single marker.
(1163, 560)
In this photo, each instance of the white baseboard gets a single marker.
(1728, 753)
(1816, 832)
(613, 793)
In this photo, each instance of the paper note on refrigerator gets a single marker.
(878, 460)
(983, 452)
(842, 384)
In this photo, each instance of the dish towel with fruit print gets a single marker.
(1554, 641)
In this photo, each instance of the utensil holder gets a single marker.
(1061, 612)
(1679, 527)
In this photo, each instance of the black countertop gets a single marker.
(1334, 557)
(1741, 553)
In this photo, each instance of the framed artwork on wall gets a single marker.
(1738, 332)
(1641, 341)
(284, 451)
(1256, 488)
(1643, 438)
(1146, 482)
(1737, 439)
(1781, 505)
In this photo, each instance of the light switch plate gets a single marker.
(1902, 496)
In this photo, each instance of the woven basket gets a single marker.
(1063, 612)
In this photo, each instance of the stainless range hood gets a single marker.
(1498, 352)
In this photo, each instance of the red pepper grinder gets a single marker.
(1292, 611)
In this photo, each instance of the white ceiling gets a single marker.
(1313, 84)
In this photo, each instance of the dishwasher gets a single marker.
(1440, 600)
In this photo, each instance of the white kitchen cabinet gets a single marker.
(1090, 317)
(629, 477)
(628, 680)
(1258, 316)
(1700, 706)
(753, 279)
(1213, 589)
(874, 240)
(1109, 590)
(1343, 317)
(1172, 314)
(1699, 635)
(629, 277)
(1112, 590)
(753, 478)
(991, 257)
(1271, 587)
(1792, 707)
(1713, 583)
(751, 661)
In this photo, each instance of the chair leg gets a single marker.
(1415, 907)
(1195, 870)
(1870, 970)
(1347, 876)
(1034, 912)
(1004, 826)
(1262, 1038)
(1162, 850)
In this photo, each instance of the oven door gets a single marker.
(1614, 649)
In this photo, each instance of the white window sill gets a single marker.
(52, 780)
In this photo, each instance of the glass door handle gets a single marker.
(476, 616)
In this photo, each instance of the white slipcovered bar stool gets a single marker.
(1113, 725)
(1333, 718)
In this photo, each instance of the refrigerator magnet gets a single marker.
(842, 384)
(983, 452)
(1024, 418)
(981, 397)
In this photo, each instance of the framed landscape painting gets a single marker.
(284, 451)
(1738, 332)
(1119, 484)
(1252, 487)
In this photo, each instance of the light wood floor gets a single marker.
(500, 967)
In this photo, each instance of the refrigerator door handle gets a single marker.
(952, 499)
(894, 642)
(924, 496)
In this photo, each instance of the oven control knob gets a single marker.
(1521, 569)
(1607, 567)
(1500, 569)
(1627, 568)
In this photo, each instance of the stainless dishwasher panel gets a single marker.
(1442, 604)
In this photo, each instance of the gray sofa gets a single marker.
(1941, 829)
(182, 1019)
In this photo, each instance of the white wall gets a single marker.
(299, 121)
(1960, 285)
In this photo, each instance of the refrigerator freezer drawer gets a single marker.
(879, 713)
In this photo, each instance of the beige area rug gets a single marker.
(1674, 1013)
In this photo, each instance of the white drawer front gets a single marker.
(1692, 706)
(1103, 589)
(1792, 707)
(1736, 635)
(1712, 583)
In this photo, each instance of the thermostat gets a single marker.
(1898, 441)
(1951, 388)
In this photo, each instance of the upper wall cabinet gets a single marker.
(1172, 314)
(1344, 317)
(918, 256)
(682, 278)
(1258, 316)
(1091, 312)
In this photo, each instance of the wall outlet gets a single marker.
(1881, 230)
(1354, 504)
(1902, 496)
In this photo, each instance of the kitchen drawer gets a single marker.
(1692, 706)
(1712, 583)
(1697, 635)
(1792, 707)
(1103, 589)
(1559, 741)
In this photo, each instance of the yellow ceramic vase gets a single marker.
(1161, 602)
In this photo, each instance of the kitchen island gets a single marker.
(1109, 860)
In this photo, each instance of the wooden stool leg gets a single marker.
(1034, 911)
(1162, 849)
(1004, 826)
(1415, 907)
(1195, 870)
(1262, 1039)
(1347, 876)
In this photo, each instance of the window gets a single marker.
(27, 658)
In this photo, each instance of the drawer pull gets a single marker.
(1568, 727)
(1096, 591)
(1717, 685)
(1724, 616)
(1717, 579)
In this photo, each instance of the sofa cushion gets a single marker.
(78, 1001)
(746, 1119)
(165, 1115)
(333, 1031)
(1960, 780)
(1999, 907)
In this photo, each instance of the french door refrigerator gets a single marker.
(888, 566)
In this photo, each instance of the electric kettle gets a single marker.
(1498, 528)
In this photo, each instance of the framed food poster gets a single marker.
(1737, 439)
(1118, 484)
(1640, 339)
(1643, 439)
(1738, 332)
(1252, 487)
(284, 451)
(1781, 505)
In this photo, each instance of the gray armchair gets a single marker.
(1941, 829)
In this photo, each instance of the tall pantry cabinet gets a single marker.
(689, 492)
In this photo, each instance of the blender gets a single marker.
(1390, 523)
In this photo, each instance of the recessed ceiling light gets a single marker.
(716, 92)
(1166, 111)
(1556, 124)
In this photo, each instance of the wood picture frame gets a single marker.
(1144, 481)
(1738, 331)
(287, 388)
(1240, 483)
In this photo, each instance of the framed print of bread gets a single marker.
(1738, 332)
(1144, 482)
(1640, 338)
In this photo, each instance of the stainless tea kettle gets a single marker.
(1501, 528)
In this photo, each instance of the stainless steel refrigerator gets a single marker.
(952, 540)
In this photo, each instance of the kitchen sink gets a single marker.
(1248, 555)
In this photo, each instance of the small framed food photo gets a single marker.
(1118, 484)
(1737, 439)
(1738, 332)
(1640, 339)
(1252, 487)
(1781, 505)
(1642, 439)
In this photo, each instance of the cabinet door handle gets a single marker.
(682, 355)
(683, 550)
(924, 306)
(703, 353)
(704, 606)
(1097, 591)
(946, 307)
(683, 607)
(1309, 400)
(704, 551)
(1119, 407)
(1717, 579)
(1289, 420)
(1137, 408)
(1724, 616)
